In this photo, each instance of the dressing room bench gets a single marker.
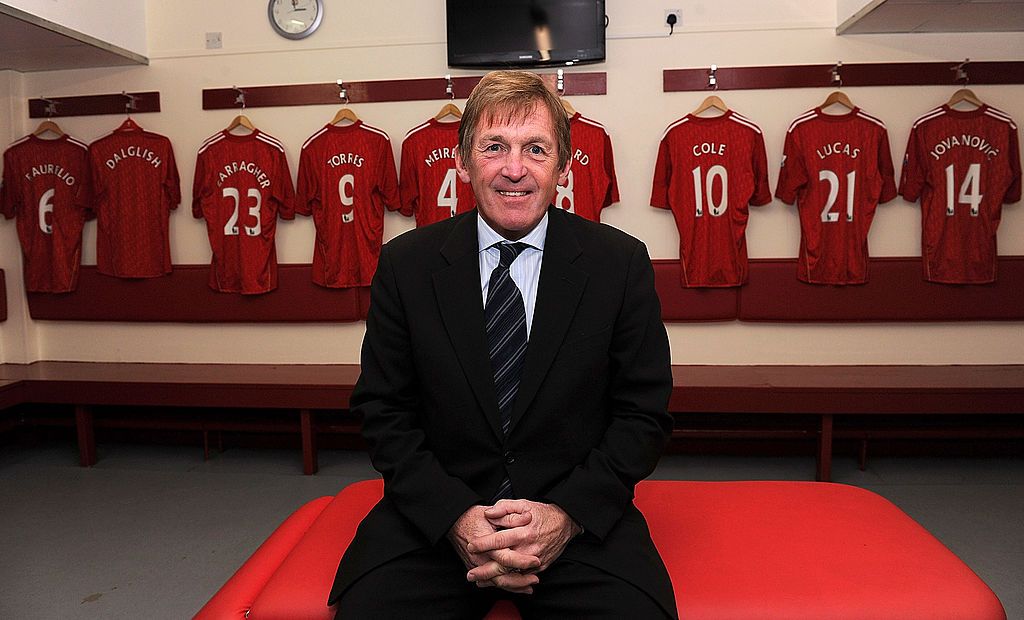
(305, 392)
(737, 550)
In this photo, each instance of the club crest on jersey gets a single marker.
(837, 148)
(51, 169)
(133, 151)
(965, 140)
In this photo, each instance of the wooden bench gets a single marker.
(821, 393)
(741, 550)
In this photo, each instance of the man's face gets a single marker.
(513, 168)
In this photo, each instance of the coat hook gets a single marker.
(240, 99)
(961, 71)
(837, 78)
(713, 77)
(51, 106)
(342, 92)
(449, 89)
(129, 105)
(560, 82)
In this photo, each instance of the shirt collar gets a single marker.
(487, 237)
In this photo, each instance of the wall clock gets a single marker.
(295, 19)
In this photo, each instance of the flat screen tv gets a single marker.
(525, 33)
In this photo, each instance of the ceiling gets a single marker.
(902, 16)
(30, 43)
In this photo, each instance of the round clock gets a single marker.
(295, 19)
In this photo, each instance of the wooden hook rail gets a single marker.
(853, 74)
(91, 105)
(419, 89)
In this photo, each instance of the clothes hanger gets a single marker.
(965, 95)
(711, 101)
(838, 96)
(129, 124)
(46, 126)
(240, 121)
(345, 114)
(569, 110)
(448, 109)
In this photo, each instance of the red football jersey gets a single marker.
(837, 168)
(346, 180)
(708, 171)
(428, 184)
(46, 184)
(591, 185)
(136, 184)
(963, 166)
(241, 185)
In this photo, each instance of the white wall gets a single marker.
(405, 39)
(118, 22)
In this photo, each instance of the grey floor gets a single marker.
(153, 531)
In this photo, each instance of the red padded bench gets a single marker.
(739, 550)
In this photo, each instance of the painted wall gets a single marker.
(405, 39)
(118, 22)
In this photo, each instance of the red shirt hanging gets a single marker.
(241, 185)
(837, 168)
(346, 180)
(963, 166)
(46, 185)
(429, 186)
(708, 171)
(591, 185)
(136, 184)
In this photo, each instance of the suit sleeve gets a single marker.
(386, 397)
(597, 491)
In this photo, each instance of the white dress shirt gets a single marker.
(525, 269)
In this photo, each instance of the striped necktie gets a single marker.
(505, 316)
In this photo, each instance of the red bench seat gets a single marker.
(739, 550)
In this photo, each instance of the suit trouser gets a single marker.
(431, 583)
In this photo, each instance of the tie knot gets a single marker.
(509, 252)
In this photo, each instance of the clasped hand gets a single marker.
(507, 544)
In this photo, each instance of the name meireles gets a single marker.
(438, 154)
(51, 169)
(134, 151)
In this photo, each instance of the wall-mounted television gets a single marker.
(525, 33)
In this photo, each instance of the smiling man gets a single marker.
(515, 379)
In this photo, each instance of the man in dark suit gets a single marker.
(515, 379)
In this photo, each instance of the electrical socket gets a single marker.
(679, 17)
(213, 41)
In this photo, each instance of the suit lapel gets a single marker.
(458, 295)
(558, 294)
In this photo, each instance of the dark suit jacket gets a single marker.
(589, 419)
